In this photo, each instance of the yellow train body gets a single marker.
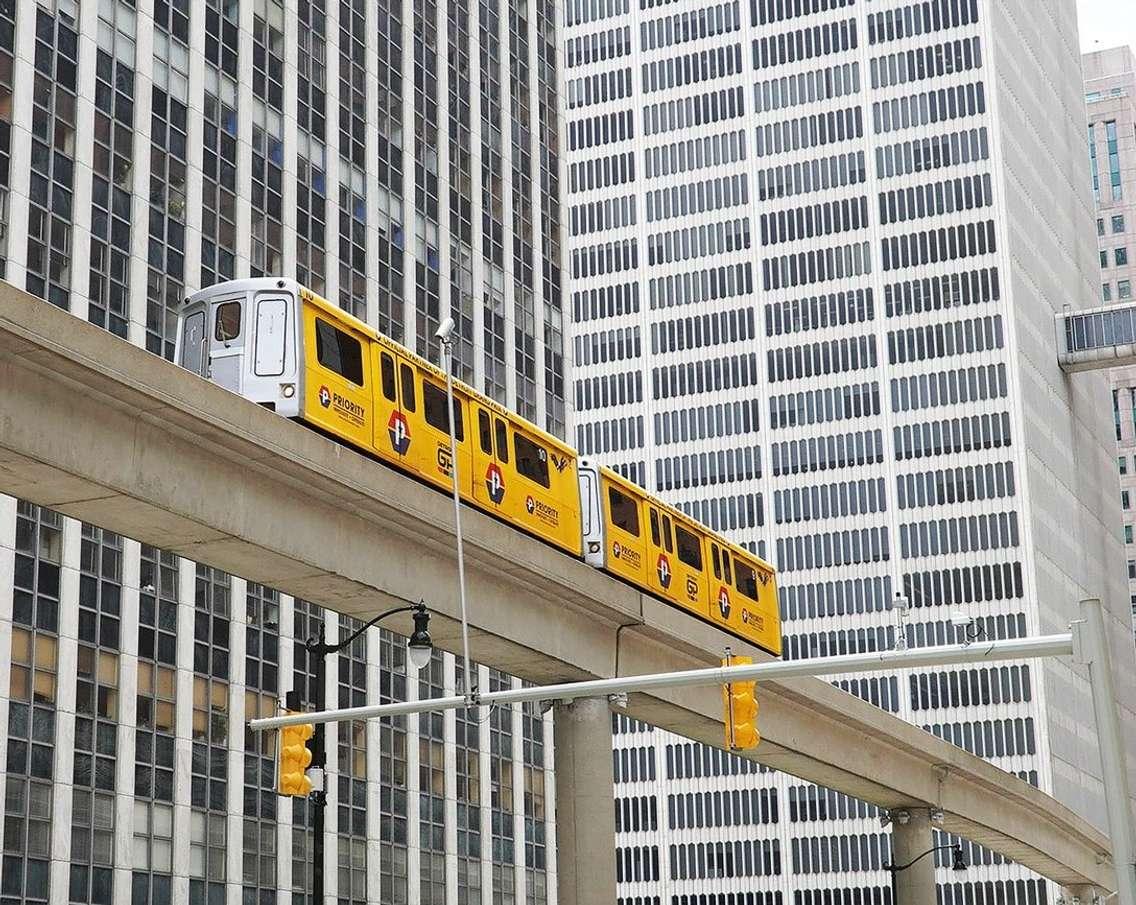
(283, 346)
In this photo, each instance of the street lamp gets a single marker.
(444, 335)
(418, 650)
(957, 863)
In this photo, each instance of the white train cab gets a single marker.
(243, 335)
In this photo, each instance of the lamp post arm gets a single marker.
(896, 868)
(321, 648)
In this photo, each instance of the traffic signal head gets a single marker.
(739, 704)
(295, 758)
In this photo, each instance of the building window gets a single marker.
(1132, 569)
(1106, 292)
(1121, 256)
(1124, 289)
(1100, 226)
(1117, 223)
(1122, 464)
(1113, 160)
(1128, 534)
(1104, 259)
(1125, 500)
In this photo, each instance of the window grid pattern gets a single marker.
(352, 774)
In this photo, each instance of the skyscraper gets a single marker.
(1110, 93)
(400, 158)
(816, 247)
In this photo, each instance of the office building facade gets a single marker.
(399, 157)
(815, 250)
(1110, 94)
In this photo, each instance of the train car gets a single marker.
(662, 550)
(278, 344)
(281, 345)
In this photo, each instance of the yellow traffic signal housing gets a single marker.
(739, 702)
(295, 758)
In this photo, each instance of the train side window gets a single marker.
(668, 544)
(485, 432)
(624, 511)
(409, 400)
(434, 406)
(726, 567)
(717, 560)
(689, 548)
(339, 352)
(654, 527)
(532, 459)
(502, 435)
(745, 579)
(227, 322)
(386, 368)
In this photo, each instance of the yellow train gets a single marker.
(278, 344)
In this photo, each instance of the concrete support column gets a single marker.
(909, 840)
(585, 803)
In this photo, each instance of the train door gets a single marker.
(660, 554)
(725, 603)
(226, 345)
(192, 354)
(626, 545)
(432, 457)
(395, 404)
(490, 457)
(690, 584)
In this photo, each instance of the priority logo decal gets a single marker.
(495, 483)
(399, 432)
(663, 567)
(616, 549)
(325, 397)
(530, 505)
(724, 603)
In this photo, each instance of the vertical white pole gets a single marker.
(470, 690)
(1117, 801)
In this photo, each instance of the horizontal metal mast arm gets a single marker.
(1015, 649)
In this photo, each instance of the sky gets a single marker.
(1106, 23)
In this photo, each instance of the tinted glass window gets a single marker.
(390, 390)
(532, 459)
(624, 511)
(667, 543)
(409, 402)
(717, 561)
(434, 405)
(485, 432)
(745, 579)
(338, 352)
(654, 516)
(502, 439)
(227, 324)
(689, 548)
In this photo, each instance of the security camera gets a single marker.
(960, 618)
(445, 329)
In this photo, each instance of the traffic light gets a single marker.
(739, 700)
(295, 757)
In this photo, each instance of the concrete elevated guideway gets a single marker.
(106, 432)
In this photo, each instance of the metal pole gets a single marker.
(468, 678)
(1094, 652)
(317, 799)
(1015, 649)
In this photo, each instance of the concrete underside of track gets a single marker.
(106, 432)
